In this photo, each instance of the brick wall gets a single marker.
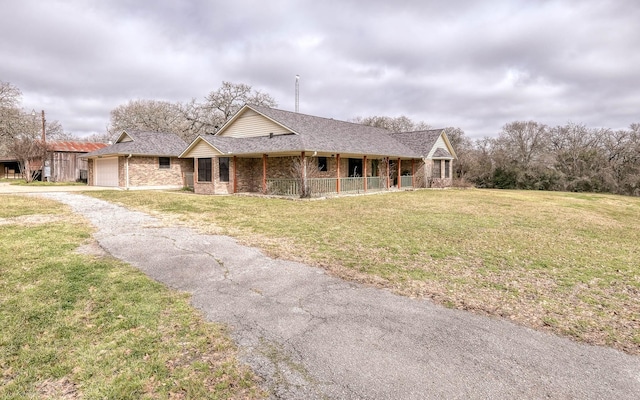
(249, 175)
(145, 171)
(215, 186)
(438, 182)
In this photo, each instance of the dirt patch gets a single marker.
(92, 249)
(34, 219)
(62, 388)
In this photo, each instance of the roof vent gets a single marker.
(270, 135)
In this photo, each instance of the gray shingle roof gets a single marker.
(421, 141)
(441, 153)
(145, 144)
(319, 134)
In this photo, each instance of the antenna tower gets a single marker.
(297, 93)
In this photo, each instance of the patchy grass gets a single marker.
(75, 326)
(22, 182)
(567, 263)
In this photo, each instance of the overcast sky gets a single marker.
(476, 65)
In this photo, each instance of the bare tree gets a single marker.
(30, 153)
(622, 153)
(526, 142)
(151, 115)
(304, 169)
(463, 147)
(579, 157)
(190, 119)
(9, 95)
(397, 124)
(21, 132)
(25, 145)
(98, 137)
(230, 97)
(10, 113)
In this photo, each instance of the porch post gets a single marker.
(399, 179)
(388, 173)
(364, 172)
(338, 173)
(304, 173)
(413, 172)
(235, 174)
(264, 174)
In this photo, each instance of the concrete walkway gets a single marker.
(8, 188)
(313, 336)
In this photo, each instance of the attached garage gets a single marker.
(106, 172)
(140, 159)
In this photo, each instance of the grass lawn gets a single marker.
(79, 326)
(22, 182)
(563, 262)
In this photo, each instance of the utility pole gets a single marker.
(44, 135)
(297, 93)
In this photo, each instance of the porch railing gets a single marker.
(324, 186)
(406, 181)
(283, 187)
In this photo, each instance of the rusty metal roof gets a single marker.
(75, 147)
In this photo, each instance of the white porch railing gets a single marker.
(323, 186)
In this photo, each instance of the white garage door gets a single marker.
(106, 171)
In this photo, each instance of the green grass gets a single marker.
(569, 263)
(75, 325)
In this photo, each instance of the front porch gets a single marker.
(334, 186)
(304, 176)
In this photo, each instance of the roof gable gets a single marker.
(124, 137)
(200, 148)
(427, 142)
(249, 123)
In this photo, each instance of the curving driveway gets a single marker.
(313, 336)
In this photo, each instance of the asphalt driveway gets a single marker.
(313, 336)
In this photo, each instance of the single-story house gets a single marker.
(271, 151)
(141, 159)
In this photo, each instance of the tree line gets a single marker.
(571, 157)
(534, 156)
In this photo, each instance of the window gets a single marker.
(223, 164)
(322, 164)
(164, 162)
(436, 169)
(446, 168)
(204, 170)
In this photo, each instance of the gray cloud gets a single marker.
(475, 65)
